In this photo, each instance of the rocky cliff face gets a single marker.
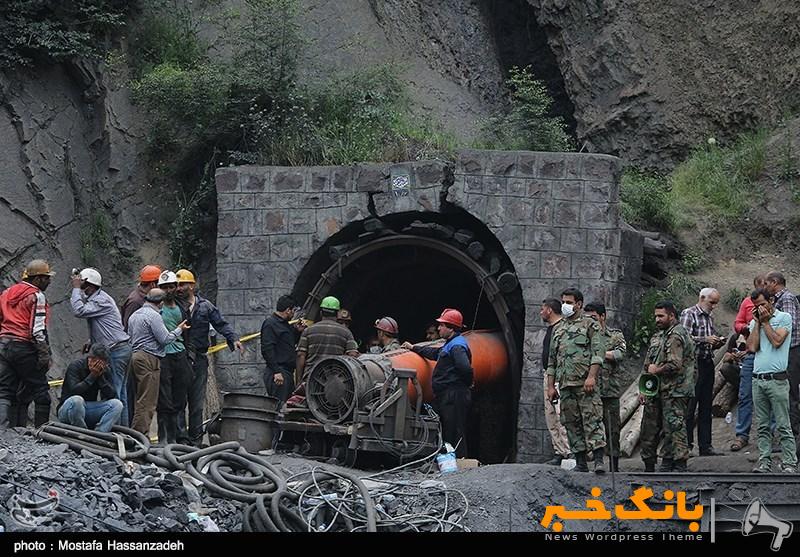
(646, 81)
(444, 50)
(73, 188)
(651, 79)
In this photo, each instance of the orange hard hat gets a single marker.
(387, 325)
(149, 273)
(451, 317)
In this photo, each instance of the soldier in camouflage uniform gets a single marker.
(610, 381)
(576, 354)
(670, 357)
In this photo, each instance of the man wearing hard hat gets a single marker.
(452, 378)
(327, 337)
(24, 348)
(176, 370)
(148, 279)
(89, 301)
(202, 315)
(387, 331)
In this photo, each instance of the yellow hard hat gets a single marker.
(38, 267)
(184, 275)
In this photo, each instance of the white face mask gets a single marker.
(567, 310)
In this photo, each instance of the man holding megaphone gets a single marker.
(670, 358)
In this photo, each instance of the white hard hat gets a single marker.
(91, 276)
(167, 277)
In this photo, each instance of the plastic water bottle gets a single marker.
(728, 418)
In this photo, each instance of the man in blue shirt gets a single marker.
(452, 378)
(769, 339)
(89, 301)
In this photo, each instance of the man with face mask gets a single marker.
(577, 350)
(176, 371)
(89, 301)
(24, 347)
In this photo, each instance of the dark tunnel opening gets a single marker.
(521, 41)
(413, 279)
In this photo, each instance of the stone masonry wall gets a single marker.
(556, 214)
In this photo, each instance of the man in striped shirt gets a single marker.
(785, 301)
(699, 324)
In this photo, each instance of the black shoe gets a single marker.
(666, 465)
(555, 461)
(649, 464)
(679, 466)
(580, 462)
(599, 465)
(709, 451)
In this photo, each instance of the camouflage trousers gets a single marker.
(611, 423)
(665, 416)
(582, 416)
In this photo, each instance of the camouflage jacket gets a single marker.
(675, 348)
(577, 343)
(610, 380)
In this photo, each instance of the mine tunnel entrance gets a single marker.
(410, 267)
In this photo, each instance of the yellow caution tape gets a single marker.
(212, 350)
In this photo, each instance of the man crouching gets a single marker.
(84, 381)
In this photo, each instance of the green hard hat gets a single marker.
(330, 302)
(648, 384)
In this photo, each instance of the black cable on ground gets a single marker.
(326, 501)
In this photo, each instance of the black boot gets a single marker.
(580, 462)
(161, 420)
(614, 464)
(172, 428)
(18, 415)
(5, 417)
(666, 465)
(41, 414)
(649, 464)
(555, 461)
(679, 466)
(599, 457)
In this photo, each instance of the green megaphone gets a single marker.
(648, 384)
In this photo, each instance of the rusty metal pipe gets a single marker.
(489, 361)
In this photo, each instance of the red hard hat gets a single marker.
(451, 317)
(149, 273)
(387, 325)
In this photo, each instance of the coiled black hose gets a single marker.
(229, 471)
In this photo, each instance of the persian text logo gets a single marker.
(674, 505)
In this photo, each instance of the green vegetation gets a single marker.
(52, 30)
(97, 243)
(717, 179)
(692, 262)
(647, 201)
(681, 289)
(733, 298)
(528, 123)
(252, 109)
